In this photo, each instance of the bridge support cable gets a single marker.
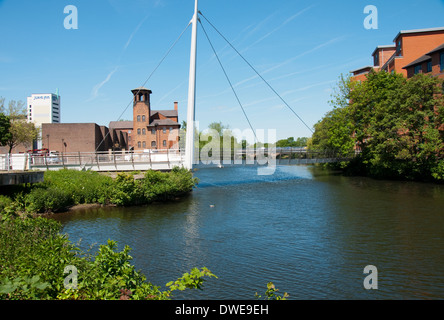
(149, 77)
(260, 76)
(229, 81)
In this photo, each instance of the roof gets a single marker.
(164, 122)
(418, 31)
(121, 125)
(141, 89)
(389, 46)
(362, 69)
(418, 61)
(166, 113)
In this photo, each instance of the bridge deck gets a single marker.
(162, 160)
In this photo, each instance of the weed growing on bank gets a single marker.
(66, 188)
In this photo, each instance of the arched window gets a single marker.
(138, 131)
(153, 131)
(143, 118)
(144, 131)
(138, 144)
(164, 143)
(153, 144)
(144, 144)
(138, 118)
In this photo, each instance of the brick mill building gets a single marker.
(421, 49)
(150, 129)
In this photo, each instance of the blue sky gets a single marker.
(300, 47)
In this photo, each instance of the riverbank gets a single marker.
(68, 189)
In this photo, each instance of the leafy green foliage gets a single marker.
(192, 280)
(33, 256)
(290, 142)
(65, 188)
(396, 123)
(5, 125)
(271, 293)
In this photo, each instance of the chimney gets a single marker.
(176, 106)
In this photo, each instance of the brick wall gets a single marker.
(73, 137)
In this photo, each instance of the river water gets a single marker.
(307, 230)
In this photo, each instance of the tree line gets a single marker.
(396, 125)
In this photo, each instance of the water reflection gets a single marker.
(309, 231)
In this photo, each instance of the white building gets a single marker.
(43, 108)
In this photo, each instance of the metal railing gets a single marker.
(108, 161)
(162, 159)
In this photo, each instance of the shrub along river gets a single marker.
(307, 230)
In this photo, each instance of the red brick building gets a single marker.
(409, 45)
(430, 63)
(77, 137)
(150, 129)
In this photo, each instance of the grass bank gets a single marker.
(67, 188)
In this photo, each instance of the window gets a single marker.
(164, 130)
(376, 62)
(143, 131)
(138, 131)
(153, 131)
(418, 69)
(153, 144)
(144, 144)
(143, 118)
(442, 61)
(429, 66)
(171, 129)
(139, 145)
(138, 118)
(164, 143)
(398, 48)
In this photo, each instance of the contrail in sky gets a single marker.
(95, 90)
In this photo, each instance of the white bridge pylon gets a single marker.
(189, 144)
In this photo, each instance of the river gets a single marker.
(309, 231)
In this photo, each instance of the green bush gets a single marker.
(5, 202)
(33, 257)
(50, 199)
(65, 188)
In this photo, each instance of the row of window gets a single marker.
(418, 68)
(153, 144)
(143, 118)
(153, 131)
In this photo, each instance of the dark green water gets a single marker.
(309, 232)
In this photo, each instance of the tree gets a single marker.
(290, 142)
(219, 127)
(5, 125)
(20, 131)
(397, 124)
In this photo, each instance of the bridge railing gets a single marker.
(108, 161)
